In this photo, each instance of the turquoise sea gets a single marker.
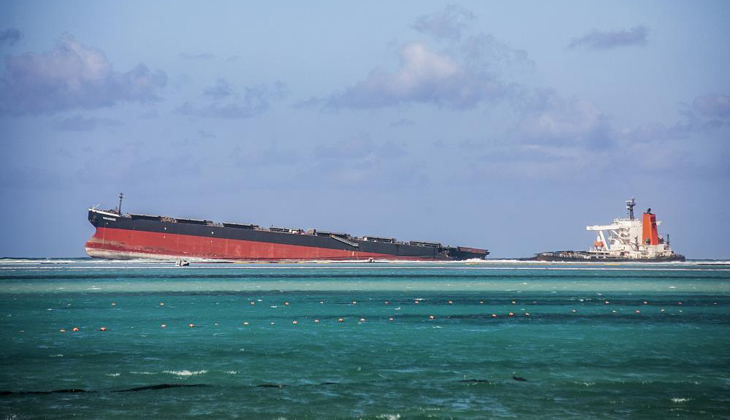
(364, 340)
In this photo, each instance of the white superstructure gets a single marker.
(631, 238)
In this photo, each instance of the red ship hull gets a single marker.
(131, 236)
(121, 243)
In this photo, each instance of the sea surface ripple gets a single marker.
(495, 339)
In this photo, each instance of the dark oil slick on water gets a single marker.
(364, 340)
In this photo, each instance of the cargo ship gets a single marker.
(629, 239)
(133, 236)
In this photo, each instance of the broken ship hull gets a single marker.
(157, 237)
(582, 256)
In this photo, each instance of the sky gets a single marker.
(501, 125)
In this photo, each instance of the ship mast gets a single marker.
(119, 209)
(630, 207)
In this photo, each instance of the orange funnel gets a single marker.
(651, 236)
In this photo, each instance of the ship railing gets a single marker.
(345, 241)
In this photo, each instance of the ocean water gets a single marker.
(364, 340)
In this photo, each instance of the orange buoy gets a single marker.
(163, 326)
(390, 319)
(416, 302)
(451, 302)
(340, 320)
(513, 302)
(75, 329)
(62, 330)
(646, 303)
(662, 310)
(316, 321)
(431, 317)
(102, 329)
(252, 303)
(286, 303)
(494, 315)
(162, 303)
(575, 310)
(354, 302)
(527, 314)
(387, 303)
(295, 322)
(637, 311)
(362, 319)
(511, 314)
(114, 304)
(606, 302)
(245, 323)
(191, 325)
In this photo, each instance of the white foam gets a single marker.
(680, 400)
(186, 372)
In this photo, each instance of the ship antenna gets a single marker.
(119, 209)
(630, 207)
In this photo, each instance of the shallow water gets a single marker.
(583, 351)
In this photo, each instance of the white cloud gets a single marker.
(72, 76)
(447, 24)
(424, 76)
